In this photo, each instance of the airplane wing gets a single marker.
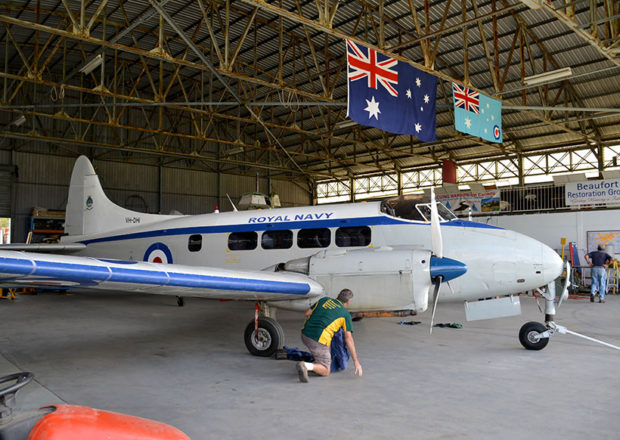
(26, 269)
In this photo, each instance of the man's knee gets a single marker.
(321, 370)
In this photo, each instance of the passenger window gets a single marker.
(353, 236)
(277, 239)
(313, 238)
(195, 243)
(242, 241)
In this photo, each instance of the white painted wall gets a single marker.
(550, 228)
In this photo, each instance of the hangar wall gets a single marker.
(550, 228)
(43, 181)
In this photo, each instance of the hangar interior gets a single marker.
(183, 103)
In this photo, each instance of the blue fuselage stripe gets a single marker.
(84, 273)
(255, 227)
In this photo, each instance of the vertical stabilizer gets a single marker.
(89, 211)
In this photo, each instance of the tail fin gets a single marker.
(89, 211)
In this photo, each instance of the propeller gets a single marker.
(442, 269)
(436, 240)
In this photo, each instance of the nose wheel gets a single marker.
(534, 335)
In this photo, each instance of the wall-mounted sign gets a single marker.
(592, 192)
(461, 203)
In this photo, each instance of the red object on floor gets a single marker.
(71, 422)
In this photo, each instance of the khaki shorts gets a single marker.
(322, 354)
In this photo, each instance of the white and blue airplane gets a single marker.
(394, 255)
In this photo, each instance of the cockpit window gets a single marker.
(414, 207)
(425, 211)
(444, 213)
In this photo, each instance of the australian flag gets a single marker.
(477, 114)
(389, 94)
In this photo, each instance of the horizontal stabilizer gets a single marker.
(39, 247)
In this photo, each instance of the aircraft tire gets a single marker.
(270, 337)
(528, 333)
(180, 301)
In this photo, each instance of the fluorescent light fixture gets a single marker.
(233, 151)
(559, 180)
(92, 65)
(476, 187)
(547, 77)
(578, 177)
(611, 174)
(19, 121)
(532, 4)
(345, 124)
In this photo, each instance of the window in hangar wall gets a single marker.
(537, 169)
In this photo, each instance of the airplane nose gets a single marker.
(552, 263)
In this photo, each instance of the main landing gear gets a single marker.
(263, 335)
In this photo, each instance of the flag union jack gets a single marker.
(466, 98)
(377, 72)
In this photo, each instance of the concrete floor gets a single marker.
(143, 355)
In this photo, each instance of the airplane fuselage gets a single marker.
(499, 262)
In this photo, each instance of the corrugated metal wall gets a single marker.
(188, 191)
(43, 181)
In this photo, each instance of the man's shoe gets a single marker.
(591, 298)
(601, 301)
(302, 371)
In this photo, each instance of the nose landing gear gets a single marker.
(534, 335)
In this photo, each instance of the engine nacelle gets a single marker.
(381, 279)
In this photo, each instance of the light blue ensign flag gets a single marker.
(477, 114)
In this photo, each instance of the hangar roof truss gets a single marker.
(253, 86)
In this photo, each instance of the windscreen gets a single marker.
(414, 207)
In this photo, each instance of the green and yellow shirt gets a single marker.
(328, 316)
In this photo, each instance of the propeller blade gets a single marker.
(435, 298)
(564, 293)
(450, 287)
(436, 240)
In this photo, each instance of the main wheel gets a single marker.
(266, 340)
(530, 338)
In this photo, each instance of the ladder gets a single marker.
(612, 278)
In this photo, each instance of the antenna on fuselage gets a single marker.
(231, 202)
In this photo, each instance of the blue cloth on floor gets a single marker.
(340, 352)
(295, 354)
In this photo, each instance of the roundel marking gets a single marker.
(496, 132)
(158, 253)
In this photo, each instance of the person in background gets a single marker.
(598, 261)
(324, 319)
